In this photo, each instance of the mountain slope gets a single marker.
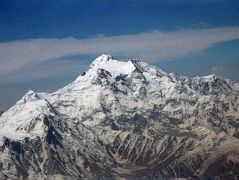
(125, 120)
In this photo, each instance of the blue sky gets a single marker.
(46, 44)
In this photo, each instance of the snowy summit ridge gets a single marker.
(124, 120)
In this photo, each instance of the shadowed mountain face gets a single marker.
(1, 112)
(125, 120)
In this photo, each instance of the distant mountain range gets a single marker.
(124, 120)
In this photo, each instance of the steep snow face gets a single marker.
(116, 88)
(118, 81)
(25, 119)
(133, 119)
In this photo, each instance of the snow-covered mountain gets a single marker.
(124, 120)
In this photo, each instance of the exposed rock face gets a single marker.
(125, 120)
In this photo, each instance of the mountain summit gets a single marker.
(124, 120)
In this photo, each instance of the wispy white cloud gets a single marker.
(150, 46)
(217, 69)
(53, 69)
